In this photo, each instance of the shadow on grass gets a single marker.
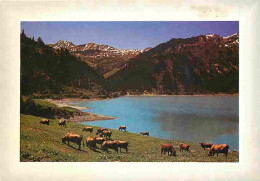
(77, 148)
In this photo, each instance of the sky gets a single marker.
(125, 34)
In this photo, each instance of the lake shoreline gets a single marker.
(84, 116)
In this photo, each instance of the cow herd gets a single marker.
(104, 140)
(222, 148)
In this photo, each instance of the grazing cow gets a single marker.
(62, 122)
(75, 138)
(45, 121)
(145, 133)
(122, 144)
(91, 142)
(100, 130)
(219, 149)
(122, 128)
(100, 140)
(88, 128)
(205, 145)
(111, 145)
(167, 147)
(184, 147)
(106, 134)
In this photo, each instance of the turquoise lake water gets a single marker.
(191, 118)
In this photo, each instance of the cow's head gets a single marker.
(63, 140)
(210, 152)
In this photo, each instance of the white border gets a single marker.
(246, 12)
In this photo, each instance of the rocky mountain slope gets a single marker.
(104, 58)
(202, 64)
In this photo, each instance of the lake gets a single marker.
(190, 118)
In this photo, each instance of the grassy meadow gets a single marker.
(42, 143)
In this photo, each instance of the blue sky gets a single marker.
(125, 34)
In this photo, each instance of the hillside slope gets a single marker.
(42, 143)
(202, 64)
(47, 71)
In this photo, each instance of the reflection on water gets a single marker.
(191, 118)
(197, 128)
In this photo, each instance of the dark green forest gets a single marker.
(47, 72)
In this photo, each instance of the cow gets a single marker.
(223, 148)
(88, 128)
(205, 145)
(111, 145)
(75, 138)
(100, 140)
(184, 147)
(167, 147)
(91, 142)
(106, 134)
(122, 128)
(45, 121)
(62, 122)
(122, 144)
(144, 133)
(100, 130)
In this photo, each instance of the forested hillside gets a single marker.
(202, 64)
(46, 71)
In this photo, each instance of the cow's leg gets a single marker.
(68, 142)
(126, 149)
(217, 153)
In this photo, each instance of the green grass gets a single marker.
(39, 142)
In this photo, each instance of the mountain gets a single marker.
(104, 58)
(48, 71)
(202, 64)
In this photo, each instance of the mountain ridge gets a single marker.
(201, 64)
(104, 58)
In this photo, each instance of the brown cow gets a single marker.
(106, 134)
(205, 145)
(88, 128)
(75, 138)
(62, 122)
(100, 130)
(122, 128)
(111, 145)
(100, 140)
(122, 144)
(91, 142)
(45, 121)
(145, 133)
(167, 147)
(223, 148)
(184, 147)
